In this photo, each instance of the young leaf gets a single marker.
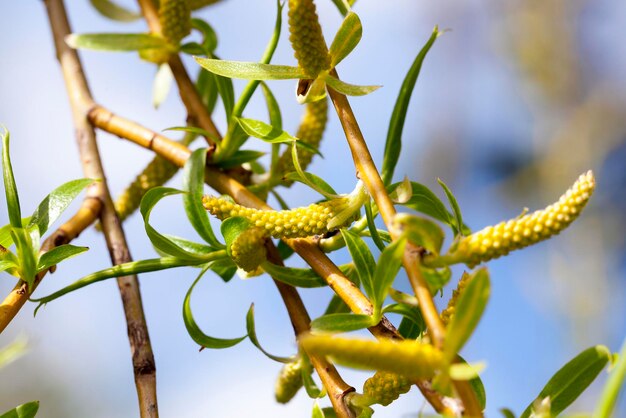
(436, 278)
(227, 93)
(254, 340)
(386, 270)
(348, 89)
(53, 205)
(250, 70)
(273, 109)
(309, 384)
(207, 87)
(572, 379)
(115, 41)
(27, 410)
(420, 231)
(26, 254)
(363, 260)
(307, 178)
(262, 130)
(58, 254)
(507, 413)
(393, 144)
(232, 227)
(342, 322)
(240, 157)
(455, 206)
(614, 383)
(209, 37)
(469, 310)
(343, 6)
(411, 313)
(408, 329)
(423, 200)
(193, 185)
(310, 178)
(297, 277)
(317, 411)
(113, 11)
(10, 189)
(371, 226)
(194, 330)
(225, 268)
(346, 39)
(161, 85)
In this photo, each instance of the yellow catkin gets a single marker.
(407, 358)
(383, 388)
(448, 313)
(310, 131)
(295, 223)
(175, 18)
(289, 381)
(496, 241)
(307, 39)
(248, 249)
(156, 173)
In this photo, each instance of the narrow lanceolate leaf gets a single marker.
(342, 322)
(26, 254)
(613, 386)
(27, 410)
(250, 70)
(55, 204)
(10, 189)
(193, 185)
(251, 328)
(298, 277)
(423, 200)
(386, 270)
(113, 11)
(572, 379)
(240, 157)
(346, 39)
(343, 6)
(469, 310)
(420, 231)
(317, 411)
(363, 260)
(393, 144)
(115, 41)
(455, 206)
(273, 109)
(349, 89)
(58, 254)
(194, 330)
(262, 130)
(407, 358)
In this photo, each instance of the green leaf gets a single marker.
(307, 380)
(26, 254)
(190, 246)
(254, 340)
(455, 207)
(298, 277)
(58, 254)
(572, 379)
(342, 322)
(469, 310)
(507, 413)
(317, 411)
(193, 48)
(348, 89)
(232, 227)
(386, 270)
(227, 93)
(162, 85)
(250, 70)
(411, 313)
(240, 157)
(115, 41)
(436, 278)
(225, 268)
(421, 231)
(126, 269)
(408, 329)
(194, 330)
(477, 386)
(193, 185)
(346, 39)
(343, 6)
(13, 351)
(311, 179)
(371, 226)
(9, 263)
(423, 200)
(613, 385)
(393, 143)
(363, 260)
(209, 37)
(109, 9)
(27, 410)
(160, 241)
(265, 132)
(273, 109)
(207, 87)
(10, 189)
(53, 205)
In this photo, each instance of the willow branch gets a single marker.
(80, 99)
(367, 171)
(86, 215)
(306, 248)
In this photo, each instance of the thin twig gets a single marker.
(86, 215)
(80, 99)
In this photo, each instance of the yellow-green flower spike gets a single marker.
(307, 38)
(175, 18)
(156, 173)
(448, 313)
(248, 249)
(310, 131)
(496, 241)
(383, 388)
(289, 381)
(408, 358)
(315, 219)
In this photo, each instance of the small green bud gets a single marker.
(175, 17)
(289, 381)
(248, 249)
(307, 38)
(496, 241)
(383, 388)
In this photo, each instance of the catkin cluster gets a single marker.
(248, 250)
(496, 241)
(307, 39)
(448, 313)
(383, 388)
(156, 173)
(310, 131)
(289, 381)
(295, 223)
(175, 18)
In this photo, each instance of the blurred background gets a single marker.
(512, 104)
